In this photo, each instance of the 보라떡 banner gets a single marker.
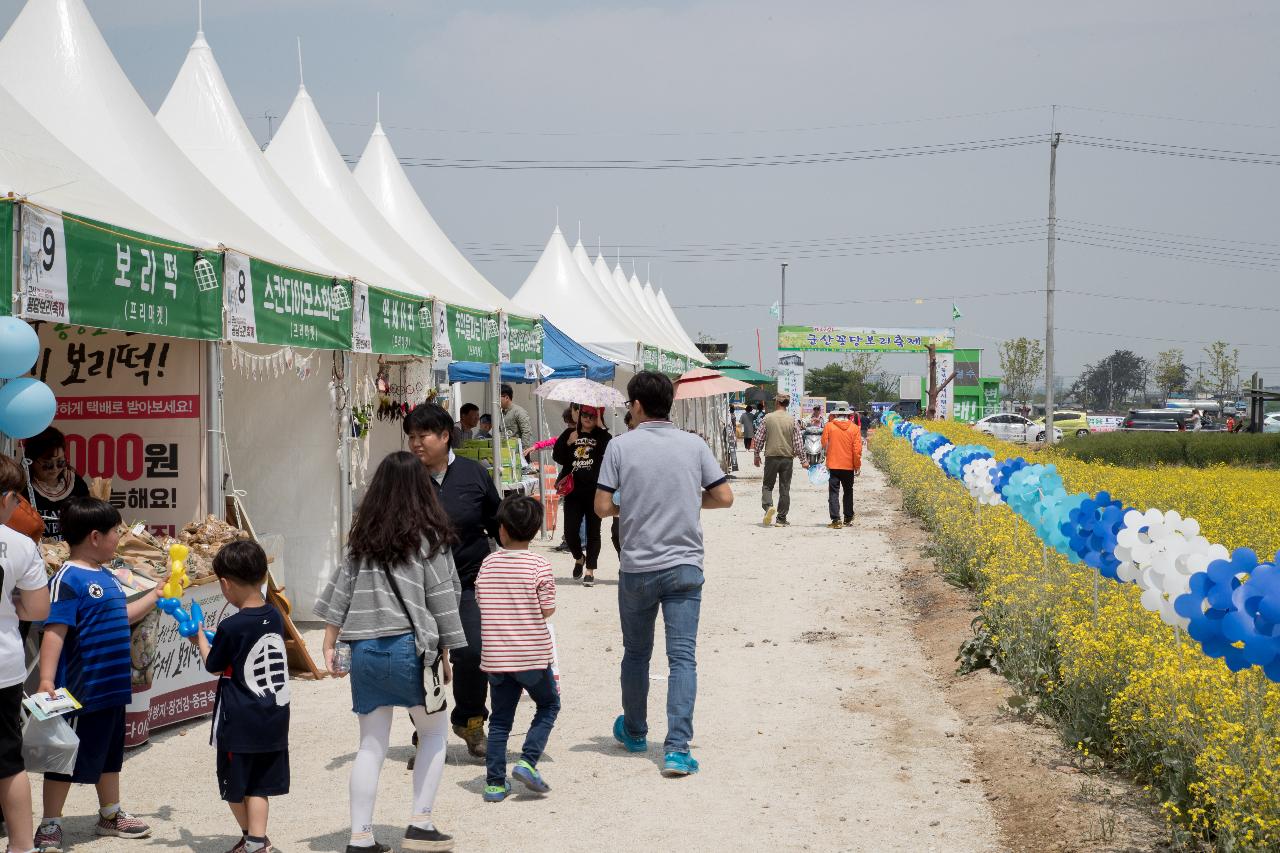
(833, 339)
(81, 271)
(389, 323)
(271, 304)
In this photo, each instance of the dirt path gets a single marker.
(818, 724)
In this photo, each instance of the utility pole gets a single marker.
(782, 306)
(1050, 283)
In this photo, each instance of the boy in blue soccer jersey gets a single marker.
(86, 649)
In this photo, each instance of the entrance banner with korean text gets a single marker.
(389, 323)
(81, 271)
(131, 408)
(833, 339)
(271, 304)
(524, 339)
(473, 335)
(6, 253)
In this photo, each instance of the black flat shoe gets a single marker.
(577, 570)
(589, 579)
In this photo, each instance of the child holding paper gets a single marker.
(85, 649)
(517, 594)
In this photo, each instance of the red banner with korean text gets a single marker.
(131, 407)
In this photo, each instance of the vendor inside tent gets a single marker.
(53, 481)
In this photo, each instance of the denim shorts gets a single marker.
(386, 671)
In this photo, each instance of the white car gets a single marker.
(1011, 427)
(1271, 423)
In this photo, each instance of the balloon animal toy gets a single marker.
(171, 595)
(178, 580)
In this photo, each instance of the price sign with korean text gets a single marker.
(131, 408)
(271, 304)
(79, 270)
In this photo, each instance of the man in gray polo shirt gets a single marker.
(657, 479)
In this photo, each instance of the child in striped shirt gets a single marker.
(517, 594)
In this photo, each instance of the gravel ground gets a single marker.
(818, 725)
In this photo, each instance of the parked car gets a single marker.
(1271, 423)
(1011, 427)
(1070, 421)
(1155, 420)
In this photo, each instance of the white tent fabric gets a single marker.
(573, 303)
(55, 62)
(384, 181)
(305, 157)
(660, 335)
(673, 329)
(604, 289)
(670, 314)
(34, 164)
(636, 310)
(651, 303)
(200, 115)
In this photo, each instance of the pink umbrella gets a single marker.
(704, 382)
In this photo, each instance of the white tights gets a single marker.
(375, 738)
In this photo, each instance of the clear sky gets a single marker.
(566, 80)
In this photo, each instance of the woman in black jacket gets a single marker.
(580, 450)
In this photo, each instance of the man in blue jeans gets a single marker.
(657, 479)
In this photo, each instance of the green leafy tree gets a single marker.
(1022, 363)
(1112, 381)
(1171, 374)
(1223, 367)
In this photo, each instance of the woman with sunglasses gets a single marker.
(52, 479)
(580, 449)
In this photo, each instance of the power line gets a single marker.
(1162, 301)
(1170, 150)
(1169, 118)
(886, 301)
(729, 162)
(1161, 340)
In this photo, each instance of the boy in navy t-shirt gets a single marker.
(85, 649)
(251, 710)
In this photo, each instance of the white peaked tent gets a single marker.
(673, 328)
(304, 156)
(604, 289)
(200, 115)
(34, 164)
(651, 306)
(384, 181)
(670, 314)
(658, 336)
(636, 310)
(573, 303)
(55, 62)
(625, 306)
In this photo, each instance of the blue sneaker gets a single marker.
(497, 793)
(633, 744)
(679, 764)
(532, 779)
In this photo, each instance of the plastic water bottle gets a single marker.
(342, 658)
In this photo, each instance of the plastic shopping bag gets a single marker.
(555, 657)
(819, 475)
(49, 746)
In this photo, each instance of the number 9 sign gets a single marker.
(44, 266)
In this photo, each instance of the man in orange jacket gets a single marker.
(842, 441)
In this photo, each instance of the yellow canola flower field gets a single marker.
(1120, 683)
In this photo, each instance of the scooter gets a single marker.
(813, 448)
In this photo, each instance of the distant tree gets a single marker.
(1111, 381)
(1021, 362)
(1171, 374)
(859, 380)
(1224, 367)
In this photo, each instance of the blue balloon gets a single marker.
(27, 406)
(19, 347)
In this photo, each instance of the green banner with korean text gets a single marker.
(270, 304)
(7, 208)
(389, 323)
(672, 364)
(473, 335)
(649, 357)
(869, 339)
(524, 339)
(85, 272)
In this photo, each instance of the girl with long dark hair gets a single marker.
(580, 449)
(395, 601)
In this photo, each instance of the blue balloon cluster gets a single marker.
(1233, 607)
(1236, 601)
(188, 623)
(27, 405)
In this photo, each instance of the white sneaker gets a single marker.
(768, 516)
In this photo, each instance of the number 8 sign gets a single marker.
(241, 319)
